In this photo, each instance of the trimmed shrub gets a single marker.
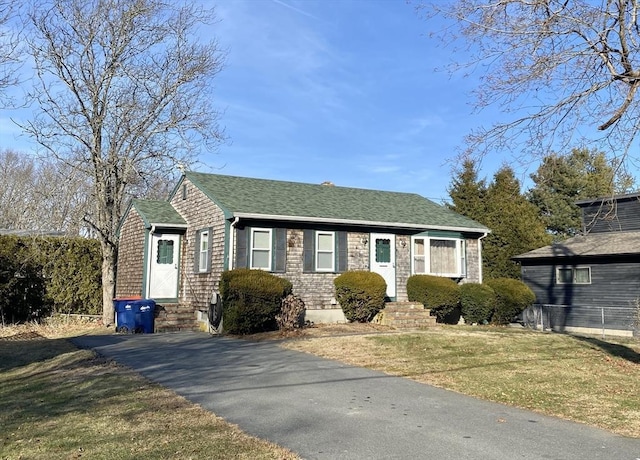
(440, 295)
(291, 314)
(512, 297)
(361, 294)
(251, 299)
(477, 302)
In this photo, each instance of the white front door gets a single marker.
(163, 266)
(383, 259)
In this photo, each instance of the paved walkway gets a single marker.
(324, 409)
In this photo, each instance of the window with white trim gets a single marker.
(204, 251)
(325, 251)
(260, 248)
(573, 275)
(438, 256)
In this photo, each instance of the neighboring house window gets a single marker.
(165, 252)
(439, 256)
(203, 250)
(261, 244)
(325, 251)
(261, 248)
(576, 275)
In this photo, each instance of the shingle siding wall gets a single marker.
(358, 252)
(129, 278)
(316, 289)
(403, 266)
(473, 262)
(200, 213)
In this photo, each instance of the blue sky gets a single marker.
(344, 91)
(335, 90)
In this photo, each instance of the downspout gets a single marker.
(232, 241)
(480, 257)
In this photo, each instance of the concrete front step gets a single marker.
(176, 328)
(405, 315)
(173, 318)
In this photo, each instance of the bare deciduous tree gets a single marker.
(9, 54)
(41, 195)
(565, 72)
(125, 94)
(17, 176)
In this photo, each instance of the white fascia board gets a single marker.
(364, 223)
(163, 225)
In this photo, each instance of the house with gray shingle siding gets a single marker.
(174, 251)
(591, 282)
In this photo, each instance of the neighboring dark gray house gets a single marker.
(591, 282)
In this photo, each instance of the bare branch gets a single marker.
(124, 94)
(564, 72)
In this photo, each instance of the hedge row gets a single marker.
(498, 301)
(39, 276)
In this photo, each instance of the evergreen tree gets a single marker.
(467, 192)
(561, 180)
(515, 224)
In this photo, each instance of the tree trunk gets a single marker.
(108, 284)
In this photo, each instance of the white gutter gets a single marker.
(327, 220)
(232, 241)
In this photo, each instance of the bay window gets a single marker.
(438, 256)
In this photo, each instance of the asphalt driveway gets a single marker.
(324, 409)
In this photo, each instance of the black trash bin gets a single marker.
(145, 315)
(126, 312)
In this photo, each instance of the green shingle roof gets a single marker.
(157, 212)
(240, 196)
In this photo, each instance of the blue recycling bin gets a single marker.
(125, 315)
(145, 315)
(134, 315)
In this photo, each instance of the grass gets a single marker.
(58, 402)
(583, 379)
